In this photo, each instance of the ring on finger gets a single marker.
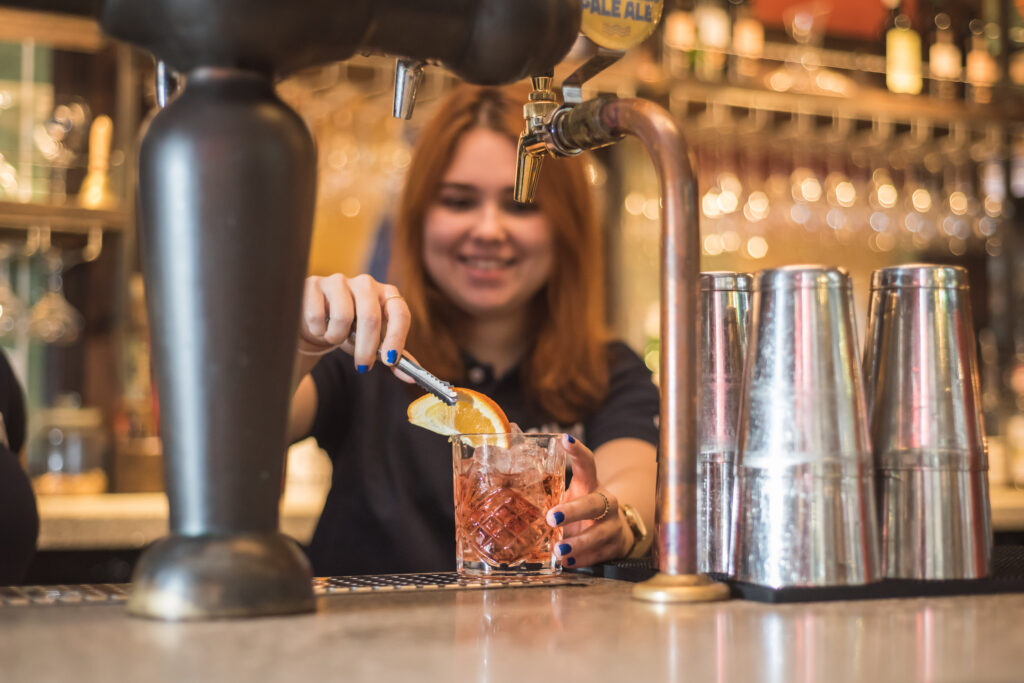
(607, 507)
(393, 296)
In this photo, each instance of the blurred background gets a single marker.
(863, 134)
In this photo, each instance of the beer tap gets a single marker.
(408, 76)
(536, 140)
(567, 130)
(227, 178)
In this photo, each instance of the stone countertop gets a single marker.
(132, 520)
(594, 632)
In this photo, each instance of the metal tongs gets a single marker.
(438, 387)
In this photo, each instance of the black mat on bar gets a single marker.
(1007, 577)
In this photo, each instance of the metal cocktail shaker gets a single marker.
(724, 328)
(922, 393)
(804, 507)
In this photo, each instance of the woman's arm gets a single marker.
(628, 468)
(304, 405)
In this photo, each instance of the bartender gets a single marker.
(19, 519)
(501, 297)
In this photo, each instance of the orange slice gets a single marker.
(473, 413)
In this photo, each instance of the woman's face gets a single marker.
(487, 253)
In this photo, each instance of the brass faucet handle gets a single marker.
(541, 104)
(542, 85)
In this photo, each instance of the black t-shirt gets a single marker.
(391, 508)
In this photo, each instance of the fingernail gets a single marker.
(392, 356)
(559, 517)
(564, 549)
(362, 368)
(571, 561)
(571, 440)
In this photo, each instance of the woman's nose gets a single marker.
(491, 224)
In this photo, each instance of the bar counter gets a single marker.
(590, 630)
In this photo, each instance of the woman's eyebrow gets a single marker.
(461, 187)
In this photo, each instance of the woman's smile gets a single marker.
(485, 263)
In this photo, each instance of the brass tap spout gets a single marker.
(533, 146)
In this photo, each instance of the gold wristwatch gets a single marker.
(636, 525)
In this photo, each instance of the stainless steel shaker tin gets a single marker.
(804, 512)
(925, 424)
(724, 327)
(920, 275)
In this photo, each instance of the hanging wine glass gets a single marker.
(53, 319)
(60, 138)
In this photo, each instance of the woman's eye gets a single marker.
(457, 203)
(515, 208)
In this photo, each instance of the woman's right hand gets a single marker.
(336, 306)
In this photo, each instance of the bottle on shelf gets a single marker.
(982, 70)
(714, 34)
(747, 42)
(1015, 45)
(95, 192)
(902, 52)
(945, 60)
(679, 40)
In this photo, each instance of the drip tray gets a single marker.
(435, 581)
(1007, 577)
(93, 594)
(115, 593)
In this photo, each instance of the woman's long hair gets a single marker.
(565, 368)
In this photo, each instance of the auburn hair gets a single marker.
(565, 370)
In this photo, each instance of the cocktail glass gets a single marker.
(504, 486)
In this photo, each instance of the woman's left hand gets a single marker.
(593, 529)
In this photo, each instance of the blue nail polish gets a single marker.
(559, 517)
(392, 356)
(564, 549)
(571, 440)
(571, 561)
(362, 368)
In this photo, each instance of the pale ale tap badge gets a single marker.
(620, 24)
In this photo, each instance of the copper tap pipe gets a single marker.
(675, 521)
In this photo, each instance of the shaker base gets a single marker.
(217, 577)
(666, 588)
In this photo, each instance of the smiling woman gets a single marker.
(487, 253)
(489, 294)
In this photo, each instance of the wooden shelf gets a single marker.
(868, 103)
(60, 218)
(61, 31)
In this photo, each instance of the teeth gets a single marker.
(485, 264)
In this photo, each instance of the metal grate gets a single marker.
(100, 593)
(117, 593)
(436, 581)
